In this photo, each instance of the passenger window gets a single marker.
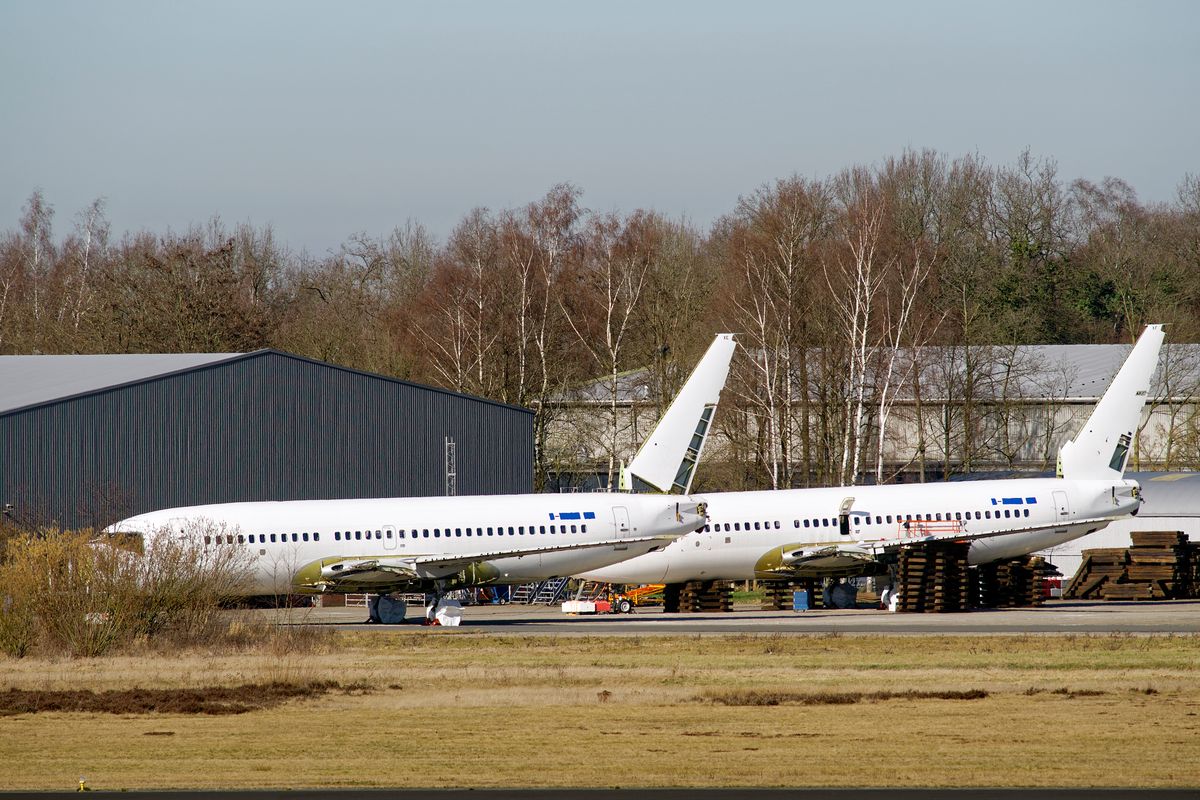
(304, 536)
(207, 539)
(737, 526)
(1027, 512)
(938, 517)
(572, 529)
(806, 523)
(337, 536)
(425, 533)
(987, 514)
(796, 523)
(542, 529)
(489, 531)
(316, 537)
(756, 526)
(583, 528)
(510, 531)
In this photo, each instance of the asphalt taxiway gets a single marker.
(1056, 617)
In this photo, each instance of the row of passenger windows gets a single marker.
(262, 538)
(387, 533)
(880, 519)
(438, 533)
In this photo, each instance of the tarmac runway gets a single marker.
(1056, 617)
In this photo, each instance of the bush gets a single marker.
(72, 593)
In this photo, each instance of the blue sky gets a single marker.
(324, 119)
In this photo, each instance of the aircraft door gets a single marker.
(1062, 507)
(620, 522)
(844, 519)
(389, 537)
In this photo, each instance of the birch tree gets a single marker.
(607, 291)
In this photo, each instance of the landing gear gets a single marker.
(384, 609)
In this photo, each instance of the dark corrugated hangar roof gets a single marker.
(34, 380)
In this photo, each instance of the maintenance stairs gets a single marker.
(546, 593)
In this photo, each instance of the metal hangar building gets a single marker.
(89, 439)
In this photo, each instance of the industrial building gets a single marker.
(1024, 403)
(88, 439)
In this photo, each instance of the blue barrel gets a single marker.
(800, 601)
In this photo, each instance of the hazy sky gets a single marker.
(324, 119)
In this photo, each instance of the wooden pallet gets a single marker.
(1160, 565)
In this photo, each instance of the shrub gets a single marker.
(82, 595)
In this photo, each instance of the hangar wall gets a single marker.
(261, 426)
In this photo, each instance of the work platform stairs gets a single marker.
(545, 593)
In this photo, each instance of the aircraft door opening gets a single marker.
(620, 522)
(844, 516)
(1062, 507)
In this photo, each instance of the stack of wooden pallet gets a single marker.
(1015, 583)
(698, 596)
(777, 595)
(1159, 568)
(933, 578)
(1100, 567)
(1161, 565)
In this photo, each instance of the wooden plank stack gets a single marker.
(1159, 568)
(698, 596)
(933, 577)
(1014, 583)
(1099, 567)
(1160, 565)
(777, 595)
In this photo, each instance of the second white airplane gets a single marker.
(846, 531)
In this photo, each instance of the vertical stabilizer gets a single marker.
(1099, 451)
(667, 459)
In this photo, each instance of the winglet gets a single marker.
(667, 459)
(1101, 448)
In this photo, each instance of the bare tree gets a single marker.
(609, 290)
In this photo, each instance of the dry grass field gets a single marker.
(446, 708)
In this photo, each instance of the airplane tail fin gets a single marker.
(1099, 451)
(668, 457)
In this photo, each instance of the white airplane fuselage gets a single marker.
(992, 515)
(283, 538)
